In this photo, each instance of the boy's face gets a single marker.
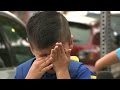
(47, 51)
(44, 53)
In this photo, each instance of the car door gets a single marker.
(7, 56)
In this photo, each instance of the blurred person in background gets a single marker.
(107, 60)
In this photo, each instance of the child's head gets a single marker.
(44, 29)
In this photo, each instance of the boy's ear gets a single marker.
(71, 42)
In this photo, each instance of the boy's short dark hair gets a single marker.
(46, 28)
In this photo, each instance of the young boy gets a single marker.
(51, 43)
(109, 59)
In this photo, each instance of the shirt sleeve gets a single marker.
(118, 53)
(84, 72)
(18, 74)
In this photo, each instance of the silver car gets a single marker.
(14, 48)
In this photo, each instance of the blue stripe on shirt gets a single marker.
(118, 53)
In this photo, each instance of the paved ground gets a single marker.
(115, 69)
(8, 73)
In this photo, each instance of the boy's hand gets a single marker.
(60, 61)
(39, 67)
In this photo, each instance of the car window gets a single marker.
(80, 32)
(17, 38)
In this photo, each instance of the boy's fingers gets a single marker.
(56, 51)
(61, 48)
(46, 63)
(47, 68)
(38, 62)
(52, 53)
(41, 60)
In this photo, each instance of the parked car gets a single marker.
(14, 48)
(86, 33)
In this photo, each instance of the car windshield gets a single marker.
(80, 32)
